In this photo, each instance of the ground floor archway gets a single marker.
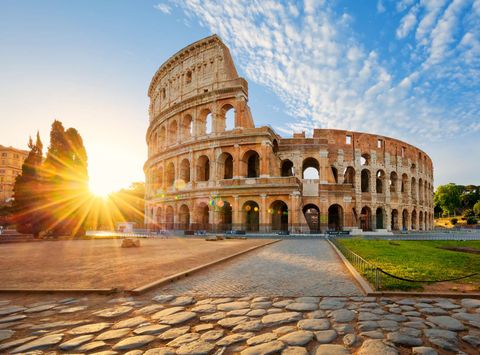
(279, 216)
(366, 219)
(312, 216)
(335, 217)
(394, 221)
(251, 216)
(379, 218)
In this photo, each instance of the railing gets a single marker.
(371, 272)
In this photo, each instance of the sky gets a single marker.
(406, 69)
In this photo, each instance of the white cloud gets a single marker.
(163, 7)
(380, 7)
(407, 23)
(326, 78)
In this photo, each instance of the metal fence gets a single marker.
(427, 236)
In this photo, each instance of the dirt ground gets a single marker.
(81, 264)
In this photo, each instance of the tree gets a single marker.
(447, 197)
(27, 206)
(476, 208)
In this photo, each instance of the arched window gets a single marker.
(161, 138)
(404, 183)
(228, 118)
(203, 168)
(365, 180)
(393, 181)
(184, 217)
(172, 132)
(251, 162)
(349, 176)
(365, 159)
(335, 174)
(225, 166)
(287, 168)
(311, 169)
(413, 189)
(380, 178)
(185, 170)
(186, 127)
(205, 122)
(188, 77)
(170, 174)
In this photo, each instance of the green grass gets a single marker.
(418, 260)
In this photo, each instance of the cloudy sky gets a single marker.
(408, 69)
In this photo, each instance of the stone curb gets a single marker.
(364, 285)
(183, 274)
(105, 291)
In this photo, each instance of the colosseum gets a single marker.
(210, 168)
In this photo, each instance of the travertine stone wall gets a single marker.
(210, 168)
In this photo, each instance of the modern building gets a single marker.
(11, 161)
(209, 167)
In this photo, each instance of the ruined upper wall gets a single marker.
(199, 68)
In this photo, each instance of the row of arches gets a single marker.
(180, 129)
(405, 220)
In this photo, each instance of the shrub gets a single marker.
(454, 221)
(476, 208)
(471, 220)
(469, 213)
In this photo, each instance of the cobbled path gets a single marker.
(186, 325)
(305, 267)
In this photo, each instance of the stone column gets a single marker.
(263, 214)
(236, 216)
(236, 161)
(265, 150)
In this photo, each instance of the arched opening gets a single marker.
(365, 159)
(170, 174)
(335, 217)
(203, 168)
(203, 216)
(158, 183)
(379, 218)
(349, 176)
(414, 220)
(393, 181)
(311, 169)
(279, 212)
(172, 132)
(413, 190)
(162, 137)
(184, 217)
(405, 220)
(380, 178)
(394, 221)
(169, 218)
(365, 180)
(251, 216)
(225, 166)
(404, 183)
(420, 220)
(312, 216)
(251, 163)
(420, 191)
(335, 174)
(275, 146)
(228, 116)
(287, 168)
(209, 123)
(366, 219)
(188, 77)
(185, 171)
(187, 127)
(225, 213)
(204, 122)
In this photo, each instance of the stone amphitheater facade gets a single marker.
(210, 168)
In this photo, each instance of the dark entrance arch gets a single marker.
(251, 216)
(394, 220)
(366, 219)
(379, 218)
(225, 211)
(335, 217)
(279, 212)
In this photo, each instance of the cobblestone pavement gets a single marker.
(305, 267)
(184, 325)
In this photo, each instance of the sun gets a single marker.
(99, 189)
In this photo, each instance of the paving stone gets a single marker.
(89, 328)
(88, 347)
(440, 333)
(262, 338)
(12, 318)
(350, 340)
(70, 310)
(151, 329)
(284, 330)
(272, 347)
(213, 317)
(377, 347)
(281, 318)
(39, 344)
(231, 322)
(205, 308)
(473, 340)
(406, 301)
(178, 318)
(404, 339)
(283, 303)
(415, 324)
(331, 303)
(446, 322)
(182, 301)
(130, 322)
(183, 339)
(174, 333)
(60, 324)
(366, 316)
(226, 300)
(325, 336)
(316, 314)
(133, 342)
(75, 342)
(212, 335)
(160, 351)
(342, 315)
(202, 327)
(134, 352)
(331, 349)
(474, 317)
(261, 299)
(114, 312)
(5, 311)
(234, 338)
(16, 342)
(396, 317)
(150, 309)
(250, 326)
(389, 325)
(260, 305)
(300, 337)
(446, 304)
(368, 325)
(435, 311)
(411, 331)
(470, 303)
(256, 313)
(238, 312)
(313, 324)
(343, 328)
(198, 347)
(6, 334)
(424, 350)
(444, 344)
(302, 307)
(294, 350)
(40, 308)
(163, 298)
(373, 334)
(167, 311)
(113, 334)
(231, 306)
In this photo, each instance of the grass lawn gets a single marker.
(418, 260)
